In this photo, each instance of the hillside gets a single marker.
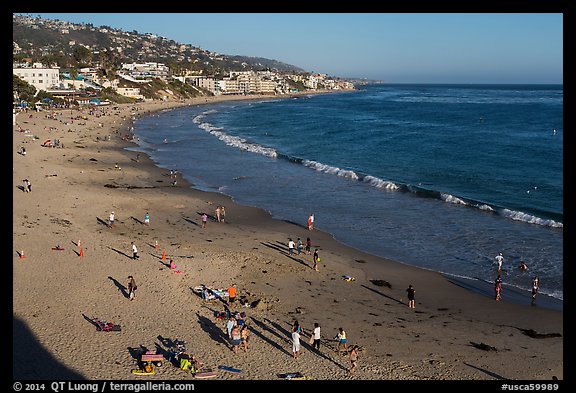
(70, 45)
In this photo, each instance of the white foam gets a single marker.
(379, 183)
(452, 199)
(485, 207)
(520, 216)
(237, 142)
(332, 170)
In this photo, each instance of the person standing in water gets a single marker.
(534, 288)
(499, 259)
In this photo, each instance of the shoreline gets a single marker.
(517, 295)
(250, 250)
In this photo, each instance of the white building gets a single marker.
(131, 92)
(146, 70)
(42, 78)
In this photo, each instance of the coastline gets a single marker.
(431, 342)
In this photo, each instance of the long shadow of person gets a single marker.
(214, 331)
(120, 287)
(266, 339)
(120, 252)
(282, 251)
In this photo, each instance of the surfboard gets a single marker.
(230, 369)
(206, 374)
(138, 371)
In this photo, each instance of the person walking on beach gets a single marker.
(316, 259)
(295, 344)
(131, 288)
(111, 220)
(497, 288)
(411, 291)
(311, 222)
(534, 288)
(222, 213)
(134, 252)
(316, 336)
(204, 220)
(308, 246)
(291, 246)
(147, 219)
(299, 245)
(218, 212)
(296, 327)
(499, 259)
(353, 359)
(342, 340)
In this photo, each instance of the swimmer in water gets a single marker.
(523, 266)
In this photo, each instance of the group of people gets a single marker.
(522, 267)
(298, 248)
(220, 213)
(314, 341)
(26, 185)
(237, 330)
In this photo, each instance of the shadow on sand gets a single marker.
(30, 361)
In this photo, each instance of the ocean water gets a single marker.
(443, 177)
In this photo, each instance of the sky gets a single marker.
(392, 47)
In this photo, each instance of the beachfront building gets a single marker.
(37, 75)
(206, 83)
(229, 86)
(131, 92)
(146, 70)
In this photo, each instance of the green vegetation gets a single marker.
(22, 91)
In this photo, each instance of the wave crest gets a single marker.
(332, 170)
(379, 183)
(452, 199)
(525, 217)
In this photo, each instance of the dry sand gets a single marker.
(452, 334)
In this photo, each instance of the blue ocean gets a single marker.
(443, 177)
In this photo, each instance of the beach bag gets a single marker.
(311, 341)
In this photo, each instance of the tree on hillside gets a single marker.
(82, 55)
(22, 89)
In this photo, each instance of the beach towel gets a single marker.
(102, 326)
(209, 293)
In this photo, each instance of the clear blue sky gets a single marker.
(396, 48)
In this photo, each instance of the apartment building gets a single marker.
(39, 76)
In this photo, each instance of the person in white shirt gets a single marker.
(316, 335)
(291, 246)
(499, 259)
(134, 251)
(295, 344)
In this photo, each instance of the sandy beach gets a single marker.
(70, 266)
